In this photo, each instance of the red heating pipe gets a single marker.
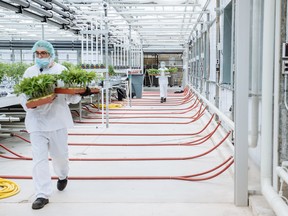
(190, 108)
(19, 157)
(127, 109)
(125, 134)
(190, 143)
(160, 104)
(185, 178)
(197, 116)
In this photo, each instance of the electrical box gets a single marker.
(285, 51)
(284, 66)
(285, 58)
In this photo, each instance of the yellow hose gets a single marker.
(111, 106)
(8, 188)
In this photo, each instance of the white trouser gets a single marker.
(55, 143)
(163, 83)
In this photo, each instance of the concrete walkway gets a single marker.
(166, 123)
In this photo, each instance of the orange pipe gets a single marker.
(190, 143)
(185, 178)
(20, 157)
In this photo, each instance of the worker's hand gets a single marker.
(87, 92)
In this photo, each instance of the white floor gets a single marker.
(132, 197)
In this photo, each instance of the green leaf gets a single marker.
(37, 86)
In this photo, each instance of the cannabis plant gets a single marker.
(173, 70)
(69, 65)
(153, 71)
(76, 77)
(37, 86)
(111, 70)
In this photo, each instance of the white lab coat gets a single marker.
(47, 125)
(163, 82)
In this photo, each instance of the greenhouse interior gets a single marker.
(143, 107)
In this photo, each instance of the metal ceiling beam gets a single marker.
(145, 13)
(147, 19)
(156, 24)
(163, 44)
(154, 5)
(157, 30)
(200, 17)
(160, 30)
(27, 44)
(38, 13)
(64, 7)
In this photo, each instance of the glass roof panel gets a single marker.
(168, 22)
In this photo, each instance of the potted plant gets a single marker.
(75, 80)
(2, 71)
(111, 71)
(12, 72)
(38, 89)
(69, 65)
(153, 72)
(173, 70)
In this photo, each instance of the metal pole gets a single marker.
(255, 74)
(82, 48)
(217, 53)
(101, 38)
(97, 44)
(121, 55)
(142, 60)
(115, 56)
(87, 46)
(242, 33)
(233, 59)
(43, 32)
(106, 64)
(91, 39)
(124, 52)
(207, 57)
(129, 65)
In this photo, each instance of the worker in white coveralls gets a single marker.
(47, 125)
(163, 81)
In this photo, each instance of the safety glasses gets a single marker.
(41, 54)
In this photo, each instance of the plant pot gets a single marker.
(77, 90)
(40, 101)
(95, 90)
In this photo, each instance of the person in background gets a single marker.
(47, 125)
(163, 82)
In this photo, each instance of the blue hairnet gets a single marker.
(44, 45)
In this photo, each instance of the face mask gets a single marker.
(42, 62)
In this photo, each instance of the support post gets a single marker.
(130, 66)
(107, 84)
(242, 34)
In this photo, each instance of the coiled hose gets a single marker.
(8, 188)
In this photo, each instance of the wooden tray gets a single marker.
(95, 90)
(69, 90)
(40, 101)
